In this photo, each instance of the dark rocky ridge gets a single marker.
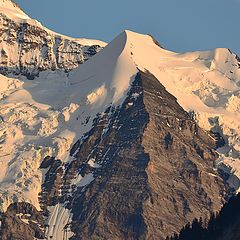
(13, 227)
(36, 49)
(155, 170)
(181, 169)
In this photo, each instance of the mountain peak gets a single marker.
(114, 68)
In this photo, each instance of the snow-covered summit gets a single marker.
(131, 51)
(115, 66)
(206, 83)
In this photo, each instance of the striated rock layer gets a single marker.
(181, 175)
(147, 169)
(107, 151)
(159, 170)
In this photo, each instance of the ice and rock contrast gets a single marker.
(133, 143)
(28, 48)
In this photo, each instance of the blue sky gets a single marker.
(179, 25)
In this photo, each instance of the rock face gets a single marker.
(28, 48)
(180, 171)
(22, 222)
(143, 171)
(124, 159)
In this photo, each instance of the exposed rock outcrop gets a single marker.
(22, 222)
(146, 169)
(30, 48)
(143, 171)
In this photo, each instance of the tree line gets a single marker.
(217, 225)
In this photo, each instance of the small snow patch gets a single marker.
(135, 95)
(87, 179)
(98, 95)
(93, 164)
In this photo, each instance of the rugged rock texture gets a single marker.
(30, 48)
(155, 169)
(143, 171)
(53, 182)
(22, 222)
(225, 225)
(180, 171)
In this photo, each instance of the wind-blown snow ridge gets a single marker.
(112, 68)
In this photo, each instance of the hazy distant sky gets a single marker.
(179, 25)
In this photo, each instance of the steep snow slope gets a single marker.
(108, 73)
(59, 219)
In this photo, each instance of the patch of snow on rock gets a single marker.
(93, 164)
(58, 226)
